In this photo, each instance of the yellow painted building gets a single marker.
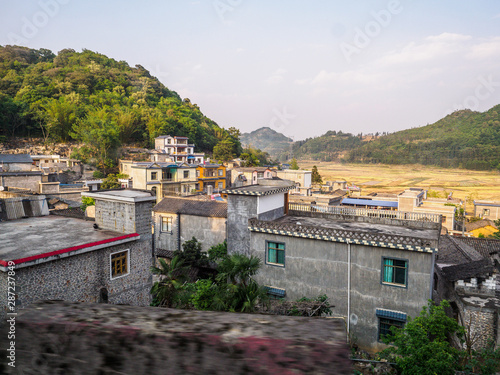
(211, 175)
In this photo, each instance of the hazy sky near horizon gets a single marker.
(300, 67)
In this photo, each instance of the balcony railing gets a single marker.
(366, 212)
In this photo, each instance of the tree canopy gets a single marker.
(91, 98)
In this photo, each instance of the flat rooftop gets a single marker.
(35, 236)
(351, 226)
(124, 195)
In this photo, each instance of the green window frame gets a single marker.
(395, 271)
(275, 253)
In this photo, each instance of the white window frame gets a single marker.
(111, 268)
(161, 224)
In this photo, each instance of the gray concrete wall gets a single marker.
(240, 208)
(273, 214)
(314, 267)
(210, 231)
(166, 240)
(22, 181)
(79, 278)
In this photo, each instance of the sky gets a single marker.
(300, 67)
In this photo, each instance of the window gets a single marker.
(186, 174)
(394, 271)
(275, 253)
(260, 174)
(220, 185)
(197, 173)
(119, 264)
(154, 175)
(221, 172)
(486, 212)
(166, 174)
(388, 319)
(166, 224)
(443, 219)
(385, 324)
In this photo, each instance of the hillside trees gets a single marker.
(56, 97)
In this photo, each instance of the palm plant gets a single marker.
(172, 277)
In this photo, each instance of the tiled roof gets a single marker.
(453, 252)
(484, 246)
(192, 207)
(479, 224)
(15, 158)
(462, 258)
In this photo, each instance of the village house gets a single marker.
(178, 149)
(163, 179)
(244, 176)
(301, 178)
(18, 170)
(177, 220)
(210, 175)
(467, 273)
(487, 210)
(376, 269)
(59, 257)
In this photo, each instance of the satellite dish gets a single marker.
(2, 188)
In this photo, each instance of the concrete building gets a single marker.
(163, 179)
(177, 220)
(487, 210)
(245, 176)
(375, 265)
(178, 149)
(16, 163)
(301, 178)
(213, 175)
(56, 257)
(467, 273)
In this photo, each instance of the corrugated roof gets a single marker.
(192, 207)
(368, 202)
(15, 158)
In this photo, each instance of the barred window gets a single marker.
(275, 253)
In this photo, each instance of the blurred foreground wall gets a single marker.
(56, 337)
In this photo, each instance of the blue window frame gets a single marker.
(275, 253)
(395, 271)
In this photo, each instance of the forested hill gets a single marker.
(463, 139)
(88, 97)
(266, 139)
(331, 146)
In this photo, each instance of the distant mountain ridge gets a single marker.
(463, 139)
(266, 139)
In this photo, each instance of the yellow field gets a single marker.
(395, 178)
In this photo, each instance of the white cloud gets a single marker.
(277, 76)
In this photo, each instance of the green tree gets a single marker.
(100, 136)
(60, 118)
(191, 254)
(294, 165)
(218, 252)
(87, 201)
(315, 176)
(172, 277)
(111, 182)
(225, 150)
(422, 346)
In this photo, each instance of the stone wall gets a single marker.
(81, 278)
(240, 208)
(70, 338)
(124, 217)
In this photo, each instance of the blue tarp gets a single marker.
(368, 202)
